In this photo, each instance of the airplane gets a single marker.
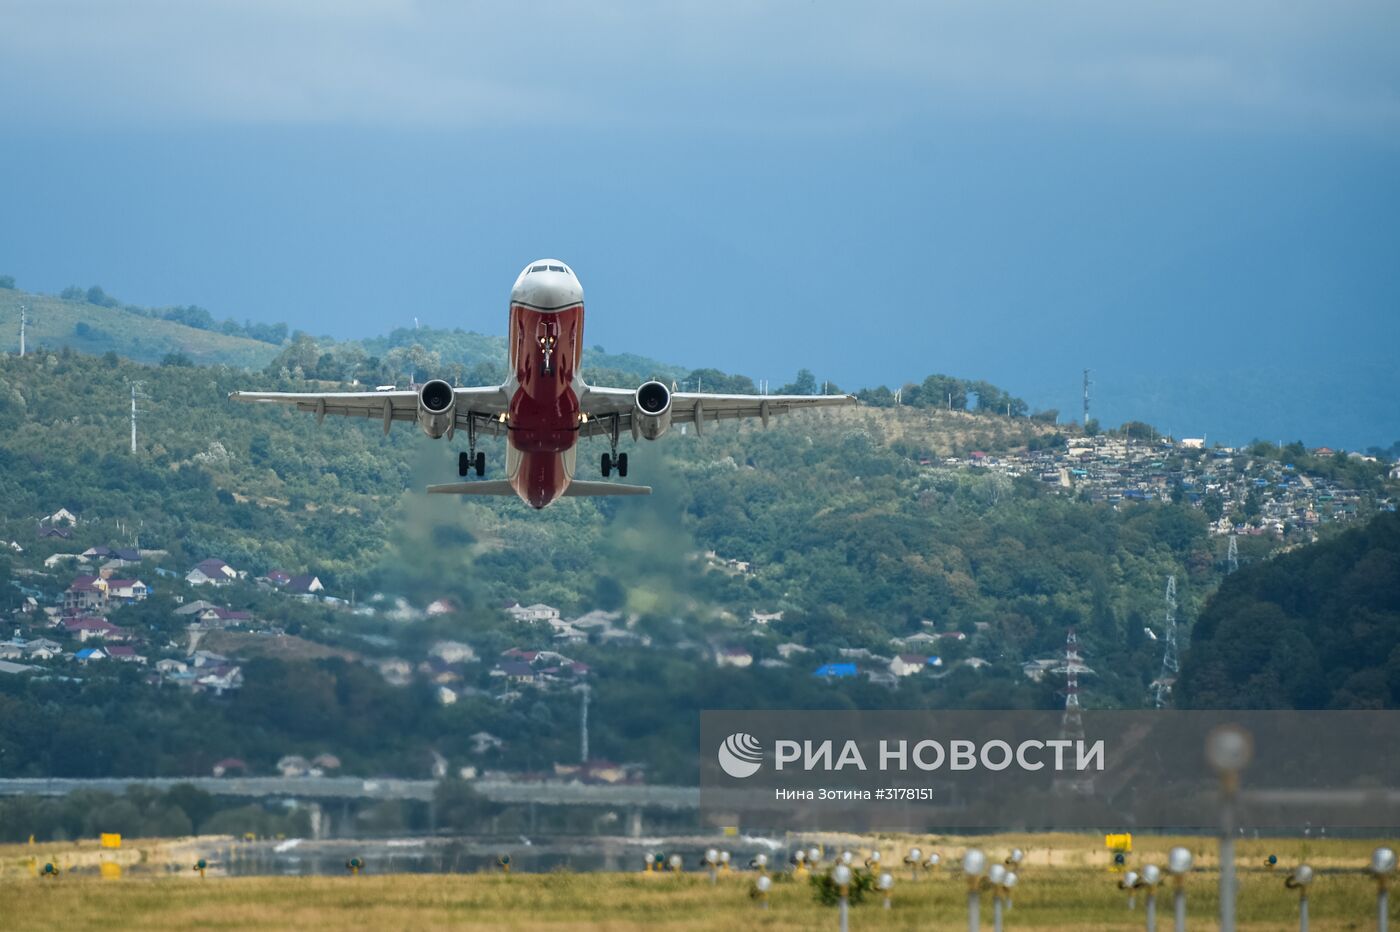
(545, 406)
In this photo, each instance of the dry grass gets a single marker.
(1064, 887)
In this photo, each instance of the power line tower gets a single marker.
(23, 323)
(1087, 383)
(1072, 721)
(1171, 663)
(135, 393)
(1232, 559)
(583, 726)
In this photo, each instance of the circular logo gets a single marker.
(740, 755)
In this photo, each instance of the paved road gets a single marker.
(675, 798)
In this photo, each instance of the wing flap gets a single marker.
(581, 489)
(486, 487)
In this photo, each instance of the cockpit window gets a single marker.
(538, 268)
(556, 268)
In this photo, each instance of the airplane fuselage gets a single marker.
(546, 346)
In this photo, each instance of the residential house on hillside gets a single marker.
(127, 591)
(305, 586)
(452, 652)
(790, 649)
(515, 671)
(537, 612)
(45, 532)
(441, 607)
(90, 654)
(126, 653)
(836, 671)
(85, 629)
(211, 572)
(908, 664)
(763, 618)
(733, 657)
(85, 594)
(61, 518)
(278, 577)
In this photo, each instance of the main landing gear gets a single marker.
(469, 459)
(468, 463)
(614, 460)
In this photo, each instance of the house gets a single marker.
(46, 531)
(763, 618)
(12, 650)
(733, 657)
(127, 591)
(207, 658)
(278, 577)
(42, 649)
(537, 612)
(62, 517)
(789, 649)
(515, 671)
(452, 652)
(445, 695)
(305, 586)
(484, 741)
(89, 654)
(125, 653)
(220, 678)
(168, 666)
(293, 765)
(597, 619)
(228, 765)
(85, 594)
(211, 572)
(1035, 670)
(441, 607)
(908, 664)
(8, 666)
(87, 628)
(977, 663)
(836, 671)
(326, 761)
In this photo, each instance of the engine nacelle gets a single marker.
(436, 408)
(652, 414)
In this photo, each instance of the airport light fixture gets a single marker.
(974, 865)
(873, 861)
(724, 860)
(1014, 858)
(914, 858)
(1300, 880)
(1229, 749)
(1149, 879)
(814, 856)
(1382, 868)
(996, 876)
(1007, 885)
(841, 876)
(847, 858)
(712, 861)
(676, 863)
(760, 863)
(761, 886)
(1179, 865)
(885, 885)
(1129, 882)
(934, 859)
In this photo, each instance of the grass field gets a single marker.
(1064, 886)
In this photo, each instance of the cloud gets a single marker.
(786, 65)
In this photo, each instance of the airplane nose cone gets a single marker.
(547, 285)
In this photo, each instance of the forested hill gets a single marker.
(1318, 628)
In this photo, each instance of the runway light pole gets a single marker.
(974, 865)
(760, 863)
(1229, 749)
(914, 858)
(886, 885)
(676, 863)
(841, 876)
(996, 876)
(712, 861)
(1300, 880)
(1129, 882)
(1151, 876)
(1007, 885)
(761, 886)
(1382, 868)
(1179, 865)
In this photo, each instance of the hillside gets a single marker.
(90, 328)
(1318, 628)
(858, 536)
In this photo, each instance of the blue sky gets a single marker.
(1198, 201)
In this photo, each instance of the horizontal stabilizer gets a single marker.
(491, 487)
(579, 489)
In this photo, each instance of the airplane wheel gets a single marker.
(607, 465)
(464, 464)
(481, 464)
(622, 465)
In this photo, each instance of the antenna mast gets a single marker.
(1171, 663)
(583, 728)
(1232, 559)
(134, 387)
(23, 322)
(1087, 383)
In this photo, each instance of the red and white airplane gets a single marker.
(545, 406)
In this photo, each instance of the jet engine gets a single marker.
(652, 414)
(436, 403)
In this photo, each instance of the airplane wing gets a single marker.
(485, 403)
(698, 408)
